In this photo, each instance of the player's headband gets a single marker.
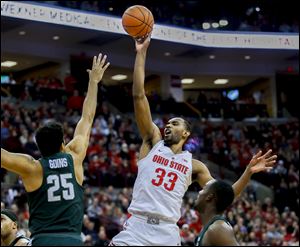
(9, 214)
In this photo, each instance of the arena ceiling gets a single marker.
(38, 47)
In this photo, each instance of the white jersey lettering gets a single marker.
(163, 178)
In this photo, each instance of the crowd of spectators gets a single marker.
(37, 89)
(51, 89)
(220, 105)
(232, 145)
(111, 165)
(267, 16)
(114, 142)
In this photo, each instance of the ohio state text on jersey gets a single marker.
(163, 178)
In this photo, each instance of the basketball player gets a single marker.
(211, 203)
(54, 182)
(165, 172)
(9, 230)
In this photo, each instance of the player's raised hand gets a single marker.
(98, 68)
(261, 162)
(142, 43)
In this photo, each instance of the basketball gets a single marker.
(137, 21)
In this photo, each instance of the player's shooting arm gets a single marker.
(83, 128)
(142, 111)
(21, 164)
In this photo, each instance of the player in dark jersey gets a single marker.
(54, 182)
(9, 230)
(211, 203)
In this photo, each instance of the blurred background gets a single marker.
(239, 99)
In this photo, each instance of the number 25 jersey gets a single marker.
(57, 206)
(162, 180)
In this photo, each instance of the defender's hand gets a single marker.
(98, 68)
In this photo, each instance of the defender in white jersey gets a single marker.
(165, 172)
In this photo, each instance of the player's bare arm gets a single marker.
(148, 130)
(22, 164)
(79, 144)
(81, 137)
(220, 234)
(201, 173)
(258, 163)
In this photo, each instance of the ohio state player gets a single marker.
(165, 172)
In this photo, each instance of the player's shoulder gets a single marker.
(153, 144)
(153, 137)
(23, 241)
(197, 162)
(220, 233)
(219, 227)
(76, 147)
(33, 165)
(198, 165)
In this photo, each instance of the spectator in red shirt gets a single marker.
(76, 101)
(69, 83)
(187, 237)
(195, 226)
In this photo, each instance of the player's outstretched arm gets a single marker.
(21, 164)
(147, 128)
(258, 163)
(80, 141)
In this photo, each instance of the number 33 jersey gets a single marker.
(163, 178)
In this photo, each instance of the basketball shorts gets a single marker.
(141, 231)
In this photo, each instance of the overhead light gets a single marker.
(212, 56)
(22, 33)
(215, 25)
(257, 9)
(221, 81)
(8, 64)
(55, 37)
(247, 57)
(187, 80)
(167, 54)
(119, 77)
(206, 25)
(223, 23)
(110, 8)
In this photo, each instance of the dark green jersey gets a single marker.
(57, 206)
(198, 240)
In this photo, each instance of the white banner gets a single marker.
(77, 18)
